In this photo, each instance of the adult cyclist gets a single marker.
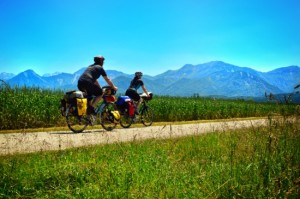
(88, 82)
(135, 84)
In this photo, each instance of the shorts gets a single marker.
(132, 93)
(90, 88)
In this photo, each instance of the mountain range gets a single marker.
(214, 78)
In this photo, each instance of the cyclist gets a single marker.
(88, 82)
(135, 84)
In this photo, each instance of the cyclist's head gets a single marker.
(138, 74)
(99, 60)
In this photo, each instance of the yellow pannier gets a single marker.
(81, 106)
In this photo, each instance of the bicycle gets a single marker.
(106, 113)
(145, 115)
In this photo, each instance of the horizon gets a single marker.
(150, 36)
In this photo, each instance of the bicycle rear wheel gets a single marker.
(76, 123)
(106, 117)
(125, 120)
(146, 116)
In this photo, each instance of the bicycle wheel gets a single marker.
(125, 120)
(76, 123)
(107, 118)
(146, 115)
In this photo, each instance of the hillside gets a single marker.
(209, 79)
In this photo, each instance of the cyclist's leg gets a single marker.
(85, 86)
(96, 90)
(139, 103)
(132, 93)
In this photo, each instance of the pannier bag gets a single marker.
(81, 106)
(125, 104)
(71, 97)
(122, 103)
(131, 108)
(107, 90)
(116, 116)
(109, 98)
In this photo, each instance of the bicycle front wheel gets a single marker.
(147, 116)
(106, 117)
(76, 123)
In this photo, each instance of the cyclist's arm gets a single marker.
(110, 83)
(145, 90)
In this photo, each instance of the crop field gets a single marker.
(23, 108)
(256, 162)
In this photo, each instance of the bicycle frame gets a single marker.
(78, 123)
(145, 115)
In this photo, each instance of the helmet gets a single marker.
(138, 74)
(99, 59)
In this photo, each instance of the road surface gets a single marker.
(12, 143)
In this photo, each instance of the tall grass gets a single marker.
(260, 162)
(34, 108)
(29, 108)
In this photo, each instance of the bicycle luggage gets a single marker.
(107, 90)
(122, 103)
(81, 106)
(131, 108)
(70, 98)
(109, 98)
(125, 104)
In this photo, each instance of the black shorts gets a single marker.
(132, 93)
(89, 88)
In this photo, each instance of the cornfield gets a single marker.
(28, 107)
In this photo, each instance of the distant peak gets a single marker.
(29, 71)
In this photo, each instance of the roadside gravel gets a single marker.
(13, 143)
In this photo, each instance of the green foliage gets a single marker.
(260, 162)
(29, 108)
(33, 108)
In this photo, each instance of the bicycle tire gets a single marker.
(106, 118)
(126, 120)
(76, 123)
(146, 116)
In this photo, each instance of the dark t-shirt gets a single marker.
(92, 73)
(136, 83)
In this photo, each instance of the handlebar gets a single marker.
(107, 90)
(144, 96)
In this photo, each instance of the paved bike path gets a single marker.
(43, 141)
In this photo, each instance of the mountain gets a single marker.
(6, 76)
(28, 78)
(284, 78)
(214, 78)
(217, 78)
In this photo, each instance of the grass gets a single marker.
(28, 108)
(260, 162)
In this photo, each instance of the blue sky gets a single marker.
(147, 35)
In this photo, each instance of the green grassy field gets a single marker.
(259, 162)
(248, 163)
(23, 108)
